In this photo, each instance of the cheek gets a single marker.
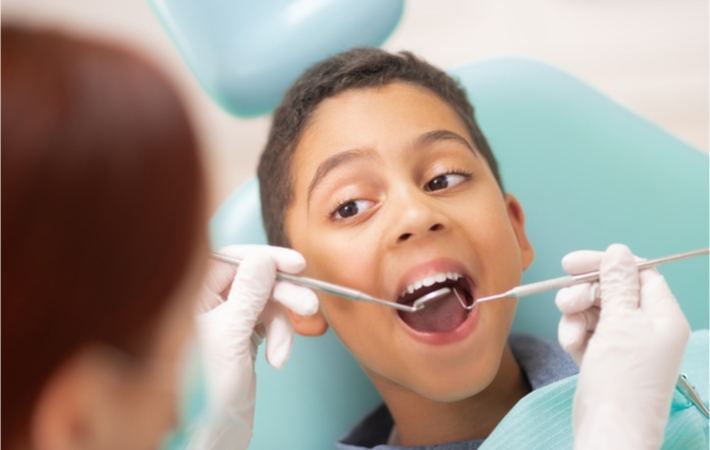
(493, 239)
(342, 256)
(351, 260)
(360, 326)
(498, 318)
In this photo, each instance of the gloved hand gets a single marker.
(235, 314)
(629, 336)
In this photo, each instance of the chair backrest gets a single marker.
(588, 173)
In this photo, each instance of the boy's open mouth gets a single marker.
(439, 316)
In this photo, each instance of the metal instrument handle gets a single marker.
(569, 280)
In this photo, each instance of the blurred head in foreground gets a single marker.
(103, 204)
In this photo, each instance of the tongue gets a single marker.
(439, 316)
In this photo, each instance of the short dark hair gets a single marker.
(354, 69)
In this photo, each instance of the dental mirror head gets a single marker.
(421, 302)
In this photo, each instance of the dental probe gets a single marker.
(570, 280)
(340, 291)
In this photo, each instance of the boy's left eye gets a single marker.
(445, 181)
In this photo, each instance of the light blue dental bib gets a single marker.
(543, 419)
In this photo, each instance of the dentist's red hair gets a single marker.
(103, 206)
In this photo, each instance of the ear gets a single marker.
(66, 413)
(310, 326)
(517, 220)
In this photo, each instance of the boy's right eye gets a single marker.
(352, 208)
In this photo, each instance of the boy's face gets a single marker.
(388, 191)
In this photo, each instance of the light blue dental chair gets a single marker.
(588, 173)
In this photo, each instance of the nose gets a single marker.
(406, 236)
(416, 218)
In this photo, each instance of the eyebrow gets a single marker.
(333, 162)
(441, 135)
(348, 156)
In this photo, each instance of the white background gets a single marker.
(649, 55)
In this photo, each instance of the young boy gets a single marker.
(376, 171)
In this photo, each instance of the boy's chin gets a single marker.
(451, 388)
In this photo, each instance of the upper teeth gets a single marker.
(430, 280)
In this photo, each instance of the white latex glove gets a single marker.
(629, 336)
(235, 314)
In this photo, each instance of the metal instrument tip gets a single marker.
(421, 302)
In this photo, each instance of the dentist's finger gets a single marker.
(618, 280)
(298, 299)
(286, 259)
(279, 334)
(659, 303)
(577, 298)
(582, 261)
(656, 296)
(573, 328)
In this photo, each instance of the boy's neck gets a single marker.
(421, 421)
